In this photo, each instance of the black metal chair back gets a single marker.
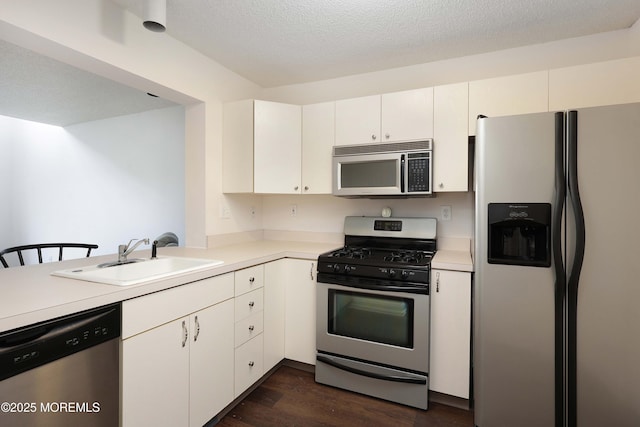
(18, 250)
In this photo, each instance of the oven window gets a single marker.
(377, 318)
(378, 173)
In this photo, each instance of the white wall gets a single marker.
(326, 213)
(103, 182)
(100, 37)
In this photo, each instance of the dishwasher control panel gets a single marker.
(25, 348)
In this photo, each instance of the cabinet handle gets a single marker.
(251, 364)
(185, 333)
(251, 304)
(386, 135)
(311, 271)
(197, 334)
(252, 279)
(296, 187)
(306, 188)
(251, 328)
(373, 137)
(438, 282)
(441, 185)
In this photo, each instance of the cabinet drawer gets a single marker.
(249, 303)
(248, 364)
(249, 328)
(249, 279)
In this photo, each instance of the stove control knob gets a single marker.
(347, 269)
(392, 272)
(336, 268)
(405, 274)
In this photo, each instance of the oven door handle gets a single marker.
(323, 278)
(393, 378)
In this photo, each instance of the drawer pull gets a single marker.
(251, 364)
(251, 327)
(252, 279)
(251, 303)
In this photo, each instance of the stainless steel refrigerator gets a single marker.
(557, 269)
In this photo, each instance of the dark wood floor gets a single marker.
(291, 397)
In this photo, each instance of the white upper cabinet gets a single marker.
(277, 148)
(262, 147)
(504, 96)
(237, 147)
(591, 85)
(318, 136)
(391, 117)
(407, 116)
(358, 120)
(450, 137)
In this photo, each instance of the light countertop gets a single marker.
(31, 294)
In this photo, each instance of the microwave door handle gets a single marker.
(402, 173)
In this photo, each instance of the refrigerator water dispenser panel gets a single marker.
(520, 234)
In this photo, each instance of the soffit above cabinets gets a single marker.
(275, 43)
(37, 88)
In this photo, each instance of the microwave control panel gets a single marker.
(418, 172)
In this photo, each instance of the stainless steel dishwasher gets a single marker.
(62, 372)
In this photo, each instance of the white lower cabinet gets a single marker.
(248, 328)
(211, 355)
(274, 296)
(175, 370)
(450, 348)
(300, 311)
(155, 377)
(249, 365)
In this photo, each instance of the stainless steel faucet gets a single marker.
(124, 250)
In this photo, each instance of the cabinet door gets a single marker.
(358, 120)
(450, 354)
(300, 311)
(237, 147)
(318, 136)
(407, 115)
(591, 85)
(504, 96)
(212, 357)
(450, 137)
(277, 147)
(274, 299)
(154, 363)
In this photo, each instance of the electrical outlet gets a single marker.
(445, 213)
(293, 210)
(225, 212)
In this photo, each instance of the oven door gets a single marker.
(387, 327)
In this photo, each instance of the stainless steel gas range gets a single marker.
(373, 309)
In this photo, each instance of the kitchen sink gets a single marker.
(139, 271)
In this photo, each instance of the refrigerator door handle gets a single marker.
(574, 277)
(558, 265)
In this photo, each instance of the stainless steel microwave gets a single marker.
(400, 169)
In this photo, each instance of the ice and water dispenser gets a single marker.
(520, 234)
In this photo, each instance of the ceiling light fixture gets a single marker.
(155, 15)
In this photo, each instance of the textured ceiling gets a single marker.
(279, 42)
(37, 88)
